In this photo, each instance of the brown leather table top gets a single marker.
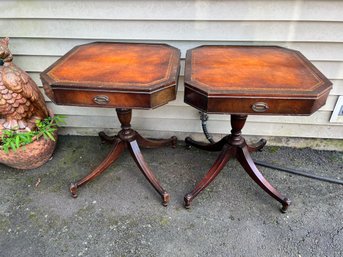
(253, 79)
(116, 66)
(253, 70)
(120, 75)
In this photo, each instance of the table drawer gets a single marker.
(255, 105)
(99, 98)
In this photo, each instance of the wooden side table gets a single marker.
(122, 76)
(242, 80)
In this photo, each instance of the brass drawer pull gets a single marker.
(101, 99)
(260, 107)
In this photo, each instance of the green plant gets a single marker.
(13, 139)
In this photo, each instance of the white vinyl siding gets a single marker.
(43, 31)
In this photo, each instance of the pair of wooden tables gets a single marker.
(235, 80)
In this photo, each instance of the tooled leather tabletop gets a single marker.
(253, 70)
(115, 66)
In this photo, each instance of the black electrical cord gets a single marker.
(299, 172)
(204, 118)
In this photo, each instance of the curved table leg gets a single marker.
(113, 155)
(104, 137)
(208, 147)
(218, 165)
(155, 143)
(257, 146)
(248, 164)
(143, 166)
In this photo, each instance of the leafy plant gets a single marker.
(13, 139)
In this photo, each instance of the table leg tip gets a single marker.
(187, 201)
(174, 141)
(286, 203)
(263, 143)
(188, 141)
(73, 190)
(165, 199)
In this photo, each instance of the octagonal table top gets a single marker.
(253, 80)
(253, 70)
(116, 66)
(111, 74)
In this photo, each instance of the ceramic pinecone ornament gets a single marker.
(21, 102)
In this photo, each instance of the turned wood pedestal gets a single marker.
(242, 80)
(234, 146)
(123, 76)
(129, 139)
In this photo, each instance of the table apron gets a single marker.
(247, 105)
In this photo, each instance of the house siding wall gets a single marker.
(43, 31)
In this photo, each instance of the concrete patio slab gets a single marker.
(119, 214)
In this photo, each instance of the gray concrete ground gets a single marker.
(119, 214)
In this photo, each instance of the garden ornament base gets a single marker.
(32, 155)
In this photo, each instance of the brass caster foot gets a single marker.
(73, 190)
(285, 205)
(165, 199)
